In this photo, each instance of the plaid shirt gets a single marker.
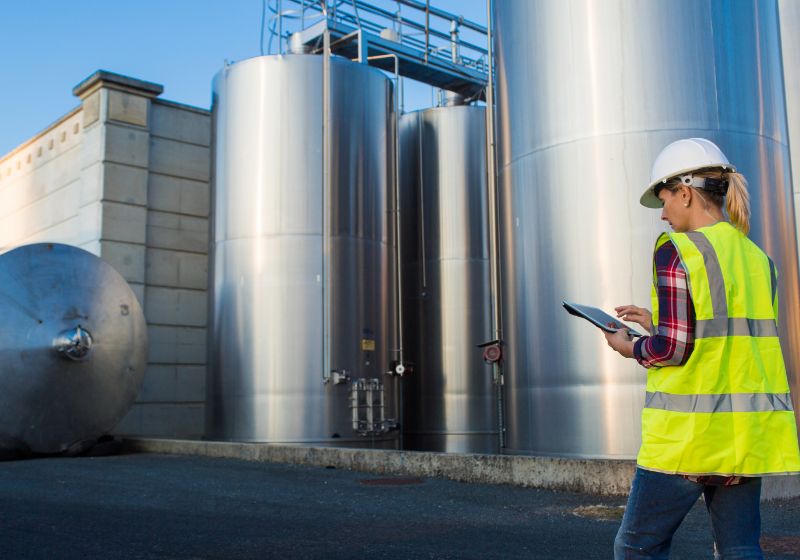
(673, 341)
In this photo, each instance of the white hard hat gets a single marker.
(679, 158)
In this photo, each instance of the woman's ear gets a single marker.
(686, 196)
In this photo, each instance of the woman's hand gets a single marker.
(638, 315)
(620, 341)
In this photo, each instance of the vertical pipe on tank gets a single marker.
(326, 204)
(423, 253)
(400, 368)
(398, 236)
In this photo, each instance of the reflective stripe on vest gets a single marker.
(716, 281)
(735, 326)
(735, 402)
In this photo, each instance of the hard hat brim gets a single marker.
(649, 198)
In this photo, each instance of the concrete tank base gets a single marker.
(609, 477)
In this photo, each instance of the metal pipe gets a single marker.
(398, 240)
(427, 28)
(399, 15)
(381, 410)
(346, 39)
(369, 401)
(400, 89)
(494, 250)
(355, 9)
(354, 404)
(398, 279)
(402, 96)
(454, 41)
(421, 203)
(326, 203)
(397, 253)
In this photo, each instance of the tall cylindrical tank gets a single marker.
(73, 347)
(448, 399)
(789, 11)
(588, 93)
(300, 331)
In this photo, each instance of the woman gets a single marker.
(717, 414)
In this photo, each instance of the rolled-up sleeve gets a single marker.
(673, 341)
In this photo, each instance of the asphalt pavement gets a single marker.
(145, 506)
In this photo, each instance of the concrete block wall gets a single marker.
(172, 401)
(126, 177)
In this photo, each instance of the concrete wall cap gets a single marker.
(183, 106)
(111, 80)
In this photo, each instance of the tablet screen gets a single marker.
(597, 317)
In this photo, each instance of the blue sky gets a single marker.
(48, 46)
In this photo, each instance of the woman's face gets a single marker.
(675, 212)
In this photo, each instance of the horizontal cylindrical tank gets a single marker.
(579, 123)
(449, 401)
(73, 347)
(287, 259)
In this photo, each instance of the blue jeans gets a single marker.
(658, 503)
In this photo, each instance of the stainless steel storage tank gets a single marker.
(73, 347)
(449, 402)
(588, 94)
(789, 11)
(287, 258)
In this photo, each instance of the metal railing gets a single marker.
(416, 24)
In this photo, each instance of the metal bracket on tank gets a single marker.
(400, 368)
(367, 406)
(336, 377)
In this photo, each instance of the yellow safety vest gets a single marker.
(727, 411)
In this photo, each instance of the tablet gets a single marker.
(597, 317)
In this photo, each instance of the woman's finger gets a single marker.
(622, 309)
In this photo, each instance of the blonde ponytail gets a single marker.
(737, 202)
